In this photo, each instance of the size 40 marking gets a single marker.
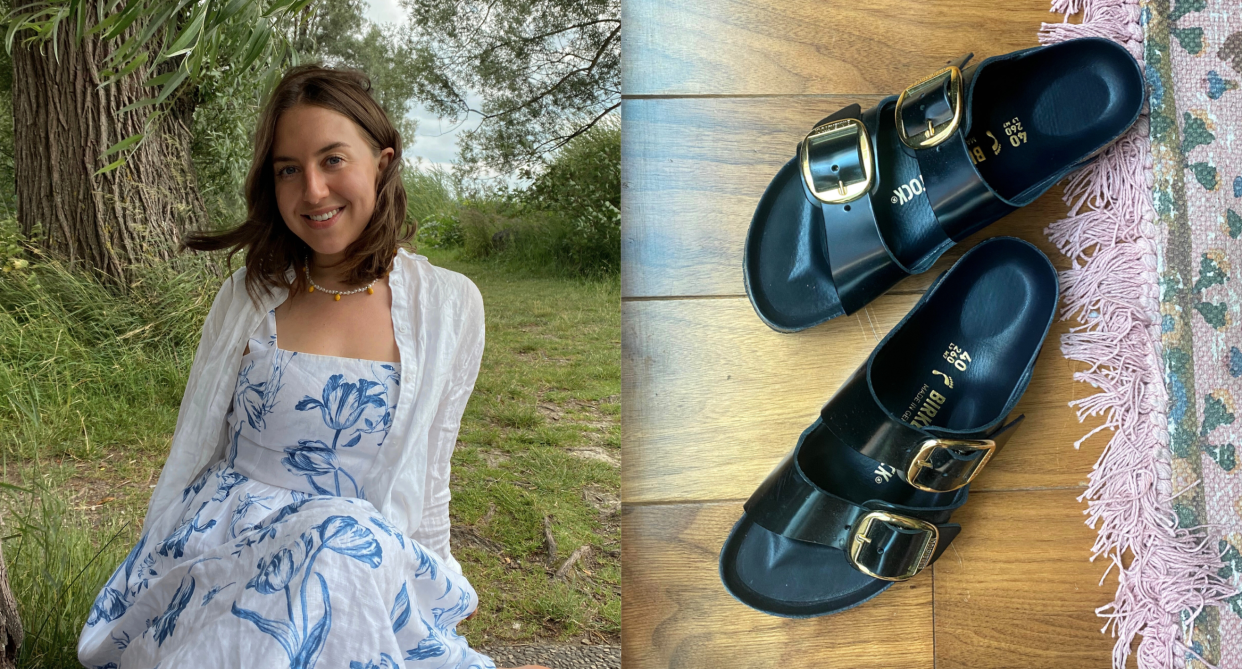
(958, 357)
(1017, 136)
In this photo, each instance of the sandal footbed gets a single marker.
(996, 305)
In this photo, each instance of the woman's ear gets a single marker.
(384, 157)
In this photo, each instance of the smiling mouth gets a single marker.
(325, 218)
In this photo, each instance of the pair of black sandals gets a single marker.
(865, 497)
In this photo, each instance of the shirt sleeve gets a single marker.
(179, 462)
(433, 529)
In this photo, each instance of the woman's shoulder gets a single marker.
(440, 285)
(232, 286)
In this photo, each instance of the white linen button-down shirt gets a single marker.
(438, 318)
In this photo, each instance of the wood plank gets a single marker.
(1016, 589)
(693, 47)
(712, 399)
(675, 612)
(694, 170)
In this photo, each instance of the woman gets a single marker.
(301, 518)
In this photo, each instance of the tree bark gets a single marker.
(10, 623)
(62, 123)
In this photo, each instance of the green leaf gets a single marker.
(104, 24)
(160, 80)
(122, 145)
(172, 85)
(55, 41)
(158, 22)
(109, 167)
(135, 105)
(255, 45)
(195, 63)
(127, 17)
(230, 10)
(122, 53)
(79, 8)
(128, 69)
(277, 6)
(188, 37)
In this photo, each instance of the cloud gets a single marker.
(436, 139)
(385, 11)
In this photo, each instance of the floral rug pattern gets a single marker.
(1193, 53)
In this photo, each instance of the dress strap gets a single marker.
(265, 332)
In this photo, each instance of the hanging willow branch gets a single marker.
(198, 36)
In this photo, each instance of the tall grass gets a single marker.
(429, 192)
(91, 377)
(57, 563)
(75, 352)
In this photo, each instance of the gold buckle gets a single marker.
(833, 132)
(934, 134)
(865, 555)
(948, 468)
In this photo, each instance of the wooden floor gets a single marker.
(717, 95)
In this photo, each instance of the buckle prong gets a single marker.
(952, 75)
(837, 136)
(949, 473)
(871, 563)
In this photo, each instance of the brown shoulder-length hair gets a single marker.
(270, 246)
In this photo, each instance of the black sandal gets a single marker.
(947, 157)
(865, 497)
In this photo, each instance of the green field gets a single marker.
(92, 383)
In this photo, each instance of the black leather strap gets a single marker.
(858, 420)
(862, 266)
(931, 106)
(789, 504)
(961, 200)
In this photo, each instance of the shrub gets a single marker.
(579, 195)
(431, 201)
(489, 227)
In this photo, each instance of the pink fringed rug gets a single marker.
(1154, 230)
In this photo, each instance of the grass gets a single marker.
(541, 438)
(90, 386)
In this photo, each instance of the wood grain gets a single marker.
(692, 172)
(695, 47)
(1016, 589)
(675, 612)
(712, 399)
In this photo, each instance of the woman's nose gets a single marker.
(316, 185)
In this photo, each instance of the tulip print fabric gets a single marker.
(279, 559)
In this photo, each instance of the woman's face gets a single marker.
(324, 167)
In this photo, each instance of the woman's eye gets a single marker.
(281, 172)
(331, 158)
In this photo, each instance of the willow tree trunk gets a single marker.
(10, 624)
(63, 121)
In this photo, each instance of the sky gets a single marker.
(436, 140)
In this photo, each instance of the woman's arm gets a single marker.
(212, 326)
(433, 529)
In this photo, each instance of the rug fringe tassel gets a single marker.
(1112, 292)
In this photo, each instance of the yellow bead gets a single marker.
(311, 289)
(370, 291)
(338, 297)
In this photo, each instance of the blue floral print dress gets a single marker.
(279, 559)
